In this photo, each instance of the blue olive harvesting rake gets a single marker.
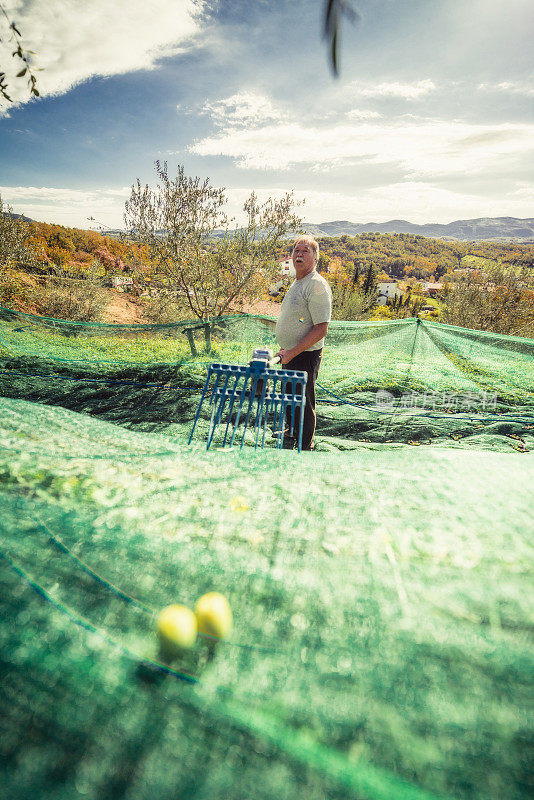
(251, 397)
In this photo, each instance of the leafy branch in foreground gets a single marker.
(184, 226)
(22, 55)
(334, 10)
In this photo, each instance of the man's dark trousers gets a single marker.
(309, 361)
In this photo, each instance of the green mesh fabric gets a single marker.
(381, 592)
(438, 383)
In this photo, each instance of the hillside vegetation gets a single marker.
(482, 285)
(65, 272)
(402, 255)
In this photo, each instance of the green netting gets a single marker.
(434, 382)
(381, 592)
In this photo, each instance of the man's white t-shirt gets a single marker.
(307, 302)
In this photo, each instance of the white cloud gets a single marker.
(242, 109)
(70, 207)
(362, 113)
(74, 40)
(406, 91)
(417, 146)
(80, 197)
(509, 87)
(414, 201)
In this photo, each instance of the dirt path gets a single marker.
(123, 309)
(267, 307)
(127, 310)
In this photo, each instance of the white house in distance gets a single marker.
(287, 269)
(387, 290)
(120, 281)
(431, 288)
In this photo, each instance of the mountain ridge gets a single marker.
(476, 229)
(479, 228)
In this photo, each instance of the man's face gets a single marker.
(303, 258)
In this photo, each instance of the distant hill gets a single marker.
(114, 233)
(17, 216)
(480, 229)
(483, 228)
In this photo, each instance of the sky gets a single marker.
(430, 119)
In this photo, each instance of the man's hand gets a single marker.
(312, 337)
(285, 356)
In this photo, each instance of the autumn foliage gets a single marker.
(72, 257)
(402, 255)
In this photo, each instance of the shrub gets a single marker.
(13, 289)
(161, 310)
(381, 313)
(79, 302)
(18, 247)
(501, 303)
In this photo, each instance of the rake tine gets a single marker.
(242, 397)
(284, 392)
(301, 424)
(260, 413)
(269, 406)
(233, 395)
(291, 409)
(214, 407)
(282, 405)
(204, 391)
(252, 395)
(222, 399)
(281, 422)
(263, 430)
(211, 429)
(216, 389)
(298, 402)
(279, 414)
(215, 386)
(301, 420)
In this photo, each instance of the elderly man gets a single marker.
(301, 328)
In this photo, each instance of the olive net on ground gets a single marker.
(402, 381)
(382, 646)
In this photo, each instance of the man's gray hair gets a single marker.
(313, 244)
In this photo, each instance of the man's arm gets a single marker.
(312, 337)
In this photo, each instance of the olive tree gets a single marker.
(19, 253)
(197, 250)
(17, 242)
(499, 301)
